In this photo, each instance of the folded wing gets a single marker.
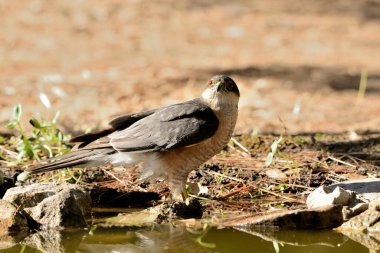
(165, 128)
(169, 127)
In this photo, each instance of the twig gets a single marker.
(237, 150)
(353, 159)
(279, 195)
(240, 146)
(115, 177)
(232, 193)
(324, 165)
(293, 185)
(331, 179)
(340, 161)
(222, 175)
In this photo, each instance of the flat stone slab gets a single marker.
(315, 218)
(141, 218)
(362, 222)
(365, 227)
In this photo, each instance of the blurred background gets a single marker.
(302, 66)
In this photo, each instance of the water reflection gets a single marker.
(179, 239)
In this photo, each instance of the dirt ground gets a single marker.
(298, 66)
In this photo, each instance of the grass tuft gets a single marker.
(45, 140)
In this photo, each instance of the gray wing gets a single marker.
(126, 120)
(118, 123)
(173, 126)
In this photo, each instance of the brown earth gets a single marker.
(298, 66)
(96, 59)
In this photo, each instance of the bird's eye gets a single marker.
(210, 82)
(230, 86)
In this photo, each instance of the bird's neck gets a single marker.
(220, 104)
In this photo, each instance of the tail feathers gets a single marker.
(76, 158)
(86, 139)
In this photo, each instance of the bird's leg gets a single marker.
(177, 191)
(182, 206)
(177, 187)
(185, 196)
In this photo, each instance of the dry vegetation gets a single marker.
(305, 73)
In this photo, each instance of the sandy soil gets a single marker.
(298, 65)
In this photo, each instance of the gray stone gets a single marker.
(324, 196)
(31, 195)
(368, 189)
(375, 205)
(375, 230)
(53, 205)
(364, 228)
(361, 222)
(12, 218)
(192, 208)
(316, 218)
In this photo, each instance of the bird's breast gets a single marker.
(177, 163)
(191, 157)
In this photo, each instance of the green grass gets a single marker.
(45, 140)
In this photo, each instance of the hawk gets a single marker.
(170, 141)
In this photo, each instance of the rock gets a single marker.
(31, 195)
(315, 218)
(68, 208)
(349, 212)
(374, 205)
(12, 218)
(364, 228)
(52, 205)
(361, 222)
(192, 208)
(368, 189)
(375, 229)
(324, 196)
(7, 179)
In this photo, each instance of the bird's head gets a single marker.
(221, 90)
